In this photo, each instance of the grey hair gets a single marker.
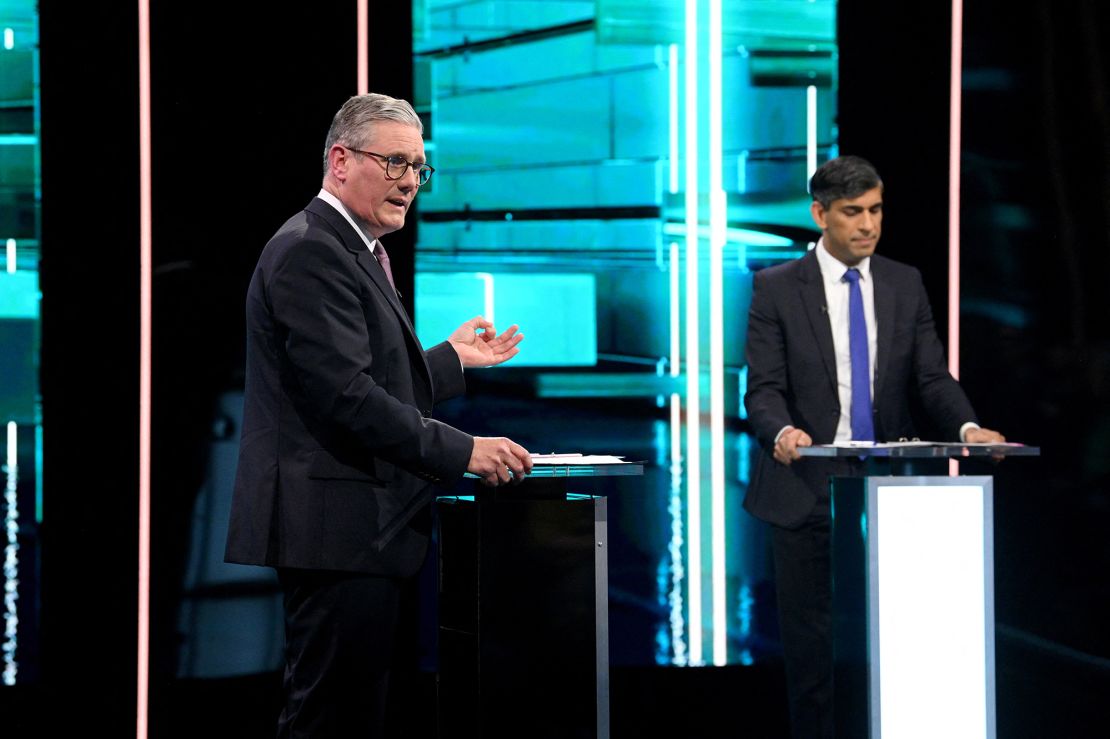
(843, 177)
(354, 122)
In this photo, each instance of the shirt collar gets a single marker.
(336, 203)
(832, 269)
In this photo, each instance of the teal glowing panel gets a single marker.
(556, 312)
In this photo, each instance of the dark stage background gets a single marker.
(242, 97)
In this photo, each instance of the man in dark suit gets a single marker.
(838, 342)
(339, 449)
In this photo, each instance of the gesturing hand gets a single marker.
(498, 460)
(484, 349)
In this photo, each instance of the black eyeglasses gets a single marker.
(396, 166)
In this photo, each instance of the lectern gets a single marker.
(913, 594)
(523, 608)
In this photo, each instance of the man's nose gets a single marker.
(410, 179)
(867, 222)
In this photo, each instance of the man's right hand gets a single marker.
(786, 448)
(498, 460)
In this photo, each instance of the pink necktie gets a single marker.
(383, 260)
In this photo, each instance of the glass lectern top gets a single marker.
(918, 450)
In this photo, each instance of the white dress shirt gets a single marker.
(836, 300)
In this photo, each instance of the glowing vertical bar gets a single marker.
(487, 294)
(674, 597)
(363, 47)
(693, 359)
(144, 368)
(954, 126)
(811, 132)
(672, 115)
(11, 256)
(718, 227)
(675, 313)
(11, 559)
(678, 572)
(955, 103)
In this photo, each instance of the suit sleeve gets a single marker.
(316, 297)
(447, 372)
(941, 395)
(765, 399)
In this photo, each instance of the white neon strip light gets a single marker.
(672, 115)
(487, 294)
(954, 126)
(718, 224)
(9, 39)
(811, 132)
(676, 337)
(693, 359)
(142, 707)
(363, 47)
(11, 256)
(11, 559)
(678, 571)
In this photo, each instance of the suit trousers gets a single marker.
(340, 631)
(803, 584)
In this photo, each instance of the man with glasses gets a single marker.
(339, 449)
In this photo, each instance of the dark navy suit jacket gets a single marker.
(338, 449)
(792, 375)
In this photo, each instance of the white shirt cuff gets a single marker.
(964, 429)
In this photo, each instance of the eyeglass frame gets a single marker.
(418, 168)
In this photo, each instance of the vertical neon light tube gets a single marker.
(675, 313)
(693, 358)
(674, 509)
(672, 115)
(718, 226)
(11, 559)
(11, 256)
(363, 25)
(811, 132)
(487, 294)
(142, 716)
(954, 125)
(675, 601)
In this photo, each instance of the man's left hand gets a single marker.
(484, 349)
(983, 436)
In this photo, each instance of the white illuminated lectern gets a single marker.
(913, 595)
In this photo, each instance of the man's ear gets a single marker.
(338, 159)
(818, 212)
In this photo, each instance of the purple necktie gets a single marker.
(383, 260)
(863, 425)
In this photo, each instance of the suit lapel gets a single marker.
(885, 297)
(812, 292)
(354, 243)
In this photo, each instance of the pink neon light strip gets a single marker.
(363, 47)
(954, 117)
(144, 369)
(954, 191)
